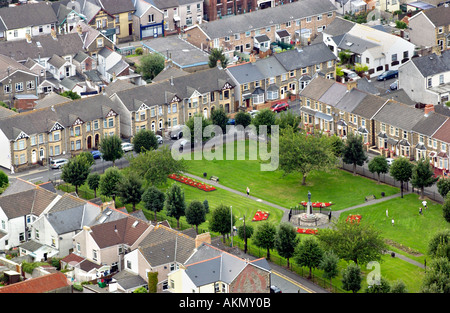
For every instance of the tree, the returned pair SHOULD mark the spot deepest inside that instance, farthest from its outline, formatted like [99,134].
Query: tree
[344,56]
[130,189]
[93,181]
[264,117]
[398,286]
[109,182]
[302,153]
[4,180]
[439,244]
[70,94]
[351,278]
[337,146]
[153,199]
[379,165]
[446,208]
[156,165]
[264,237]
[111,148]
[401,170]
[288,119]
[353,241]
[217,55]
[382,287]
[422,176]
[221,220]
[206,206]
[443,186]
[87,158]
[175,204]
[219,118]
[353,152]
[145,140]
[243,118]
[197,128]
[437,277]
[195,214]
[286,240]
[150,65]
[329,265]
[308,253]
[75,172]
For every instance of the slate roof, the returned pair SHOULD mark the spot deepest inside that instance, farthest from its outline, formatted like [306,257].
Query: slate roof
[433,64]
[353,43]
[117,6]
[338,26]
[41,284]
[128,280]
[18,185]
[438,16]
[263,18]
[428,125]
[245,73]
[317,87]
[49,100]
[443,133]
[351,100]
[32,14]
[304,57]
[5,112]
[400,115]
[369,106]
[6,63]
[332,95]
[33,201]
[89,8]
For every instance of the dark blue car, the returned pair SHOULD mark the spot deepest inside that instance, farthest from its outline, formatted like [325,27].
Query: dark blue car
[96,154]
[388,75]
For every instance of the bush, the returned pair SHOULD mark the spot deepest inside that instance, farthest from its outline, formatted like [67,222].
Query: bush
[139,51]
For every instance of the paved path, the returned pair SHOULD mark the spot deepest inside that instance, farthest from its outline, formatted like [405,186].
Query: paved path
[335,214]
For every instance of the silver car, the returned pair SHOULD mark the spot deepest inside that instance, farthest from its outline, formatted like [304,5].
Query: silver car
[58,163]
[126,147]
[160,139]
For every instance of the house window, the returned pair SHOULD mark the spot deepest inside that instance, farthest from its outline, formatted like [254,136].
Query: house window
[94,255]
[308,19]
[36,234]
[441,79]
[129,264]
[319,17]
[30,84]
[99,42]
[19,87]
[151,18]
[429,82]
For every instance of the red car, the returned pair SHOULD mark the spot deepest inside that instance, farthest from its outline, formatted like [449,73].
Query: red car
[278,107]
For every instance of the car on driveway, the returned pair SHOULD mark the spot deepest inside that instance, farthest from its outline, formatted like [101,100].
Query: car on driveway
[58,163]
[390,161]
[394,85]
[388,75]
[253,113]
[176,133]
[96,154]
[281,106]
[350,75]
[127,147]
[160,139]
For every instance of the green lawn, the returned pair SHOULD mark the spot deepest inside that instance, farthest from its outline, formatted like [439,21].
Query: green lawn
[340,187]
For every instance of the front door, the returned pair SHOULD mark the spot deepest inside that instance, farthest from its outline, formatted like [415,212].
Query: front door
[89,142]
[33,157]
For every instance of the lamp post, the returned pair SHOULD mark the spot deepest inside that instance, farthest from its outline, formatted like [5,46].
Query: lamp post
[231,224]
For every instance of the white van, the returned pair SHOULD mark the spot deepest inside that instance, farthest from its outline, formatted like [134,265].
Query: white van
[58,163]
[350,75]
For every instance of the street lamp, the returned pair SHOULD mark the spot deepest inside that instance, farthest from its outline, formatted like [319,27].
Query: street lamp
[231,224]
[245,236]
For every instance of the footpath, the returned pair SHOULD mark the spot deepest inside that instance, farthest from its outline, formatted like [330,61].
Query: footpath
[335,215]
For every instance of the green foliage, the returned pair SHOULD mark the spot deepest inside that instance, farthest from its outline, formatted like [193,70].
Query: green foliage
[400,24]
[378,165]
[130,189]
[351,278]
[264,117]
[140,290]
[139,51]
[337,145]
[308,253]
[195,213]
[249,230]
[361,68]
[344,56]
[145,140]
[286,240]
[243,118]
[152,282]
[111,148]
[398,286]
[156,165]
[217,54]
[87,158]
[153,199]
[264,236]
[339,71]
[288,119]
[439,244]
[93,181]
[70,94]
[329,265]
[206,206]
[76,171]
[422,175]
[199,128]
[219,118]
[446,209]
[221,220]
[401,170]
[150,65]
[353,152]
[4,180]
[437,277]
[109,182]
[382,287]
[175,204]
[443,186]
[29,267]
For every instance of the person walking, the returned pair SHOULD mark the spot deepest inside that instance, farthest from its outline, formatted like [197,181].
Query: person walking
[420,211]
[387,213]
[424,203]
[248,191]
[392,221]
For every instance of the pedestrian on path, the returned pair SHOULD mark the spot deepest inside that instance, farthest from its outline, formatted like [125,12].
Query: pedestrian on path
[392,221]
[248,191]
[387,213]
[424,203]
[420,211]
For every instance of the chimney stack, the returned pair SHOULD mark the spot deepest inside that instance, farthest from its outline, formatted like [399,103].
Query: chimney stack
[202,238]
[28,37]
[429,108]
[53,33]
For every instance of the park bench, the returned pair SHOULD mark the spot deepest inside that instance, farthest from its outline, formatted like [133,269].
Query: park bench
[371,197]
[214,178]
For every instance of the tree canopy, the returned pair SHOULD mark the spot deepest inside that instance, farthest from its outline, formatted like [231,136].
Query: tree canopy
[378,165]
[217,55]
[150,65]
[76,171]
[401,170]
[422,175]
[221,220]
[111,148]
[353,152]
[175,203]
[264,236]
[145,140]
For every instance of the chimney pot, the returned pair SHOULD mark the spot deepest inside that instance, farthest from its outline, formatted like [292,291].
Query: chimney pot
[429,108]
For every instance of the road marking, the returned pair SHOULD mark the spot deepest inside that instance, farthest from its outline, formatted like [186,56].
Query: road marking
[36,178]
[293,282]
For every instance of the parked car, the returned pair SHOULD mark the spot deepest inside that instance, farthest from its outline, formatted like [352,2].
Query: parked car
[394,85]
[58,163]
[231,121]
[275,289]
[350,75]
[253,113]
[282,106]
[184,143]
[388,75]
[96,154]
[390,161]
[176,133]
[127,147]
[160,139]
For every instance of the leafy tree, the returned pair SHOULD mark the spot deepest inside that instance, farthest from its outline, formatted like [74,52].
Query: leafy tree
[422,175]
[243,118]
[130,189]
[286,240]
[195,128]
[150,65]
[302,153]
[175,204]
[264,236]
[437,277]
[439,244]
[140,290]
[264,117]
[153,199]
[337,146]
[219,118]
[156,165]
[288,119]
[383,287]
[93,181]
[398,286]
[353,152]
[352,241]
[145,140]
[75,172]
[4,180]
[401,170]
[308,253]
[111,148]
[152,278]
[217,55]
[109,182]
[195,214]
[351,278]
[245,233]
[443,186]
[446,208]
[70,94]
[379,165]
[221,220]
[344,56]
[329,265]
[206,206]
[361,68]
[87,157]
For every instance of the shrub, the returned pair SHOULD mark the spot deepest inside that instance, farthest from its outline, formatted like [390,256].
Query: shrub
[139,51]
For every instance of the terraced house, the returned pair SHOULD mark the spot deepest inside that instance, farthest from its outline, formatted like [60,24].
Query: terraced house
[169,103]
[62,130]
